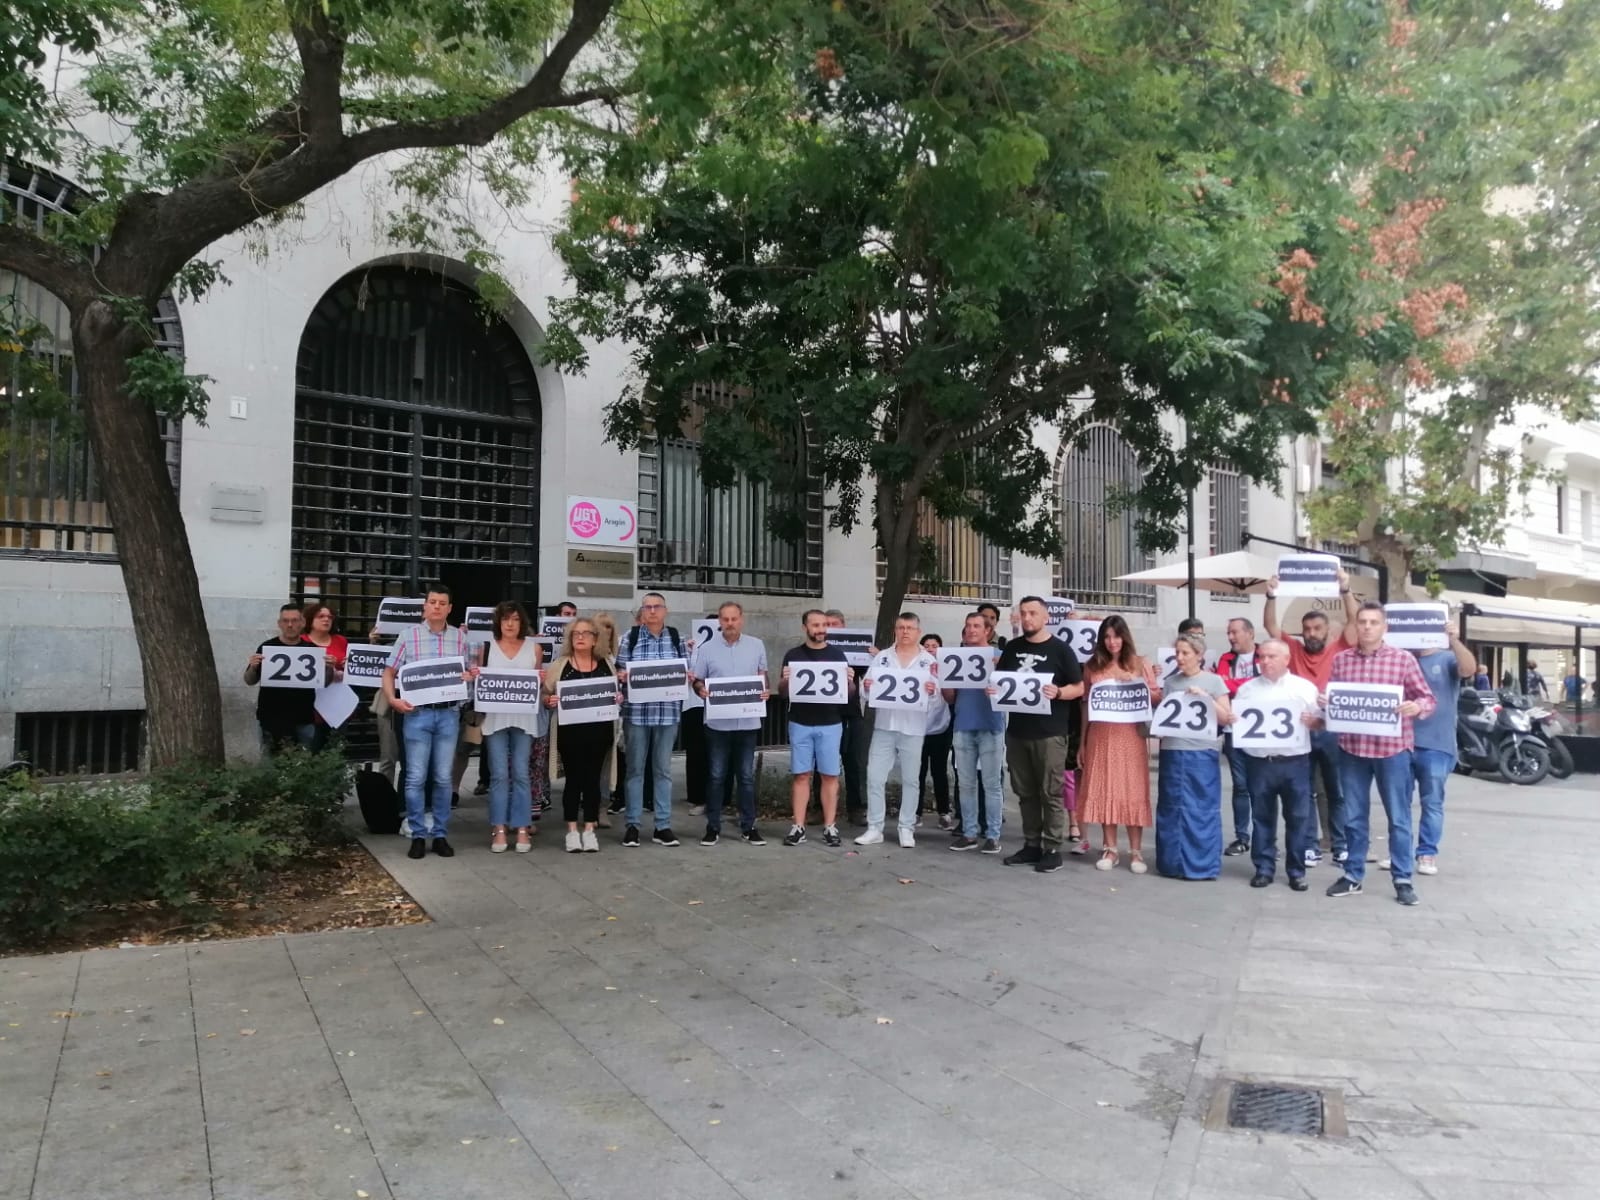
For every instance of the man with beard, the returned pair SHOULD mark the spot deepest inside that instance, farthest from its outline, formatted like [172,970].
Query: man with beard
[1311,658]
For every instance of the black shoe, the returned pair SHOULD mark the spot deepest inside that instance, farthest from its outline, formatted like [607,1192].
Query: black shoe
[1343,886]
[711,838]
[419,847]
[443,848]
[1026,857]
[481,790]
[1405,894]
[752,836]
[1260,880]
[990,846]
[1048,863]
[830,836]
[649,806]
[614,807]
[858,818]
[455,799]
[631,836]
[664,837]
[963,842]
[795,836]
[1298,883]
[1236,847]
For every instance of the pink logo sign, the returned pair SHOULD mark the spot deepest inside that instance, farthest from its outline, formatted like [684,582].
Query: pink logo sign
[584,519]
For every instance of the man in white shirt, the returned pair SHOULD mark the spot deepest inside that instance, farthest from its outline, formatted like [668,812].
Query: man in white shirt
[897,732]
[1273,717]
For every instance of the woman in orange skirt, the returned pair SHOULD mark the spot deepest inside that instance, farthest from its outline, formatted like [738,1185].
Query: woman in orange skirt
[1114,764]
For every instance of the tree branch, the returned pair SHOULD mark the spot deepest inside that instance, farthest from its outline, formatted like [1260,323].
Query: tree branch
[70,279]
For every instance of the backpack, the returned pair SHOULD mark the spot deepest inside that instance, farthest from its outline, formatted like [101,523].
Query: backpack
[380,803]
[633,640]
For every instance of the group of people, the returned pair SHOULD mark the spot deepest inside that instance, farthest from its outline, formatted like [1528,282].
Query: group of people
[1068,771]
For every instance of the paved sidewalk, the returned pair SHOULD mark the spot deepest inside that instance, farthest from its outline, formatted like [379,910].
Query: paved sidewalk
[770,1022]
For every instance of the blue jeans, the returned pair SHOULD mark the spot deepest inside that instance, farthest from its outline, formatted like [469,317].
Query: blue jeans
[1242,813]
[1285,782]
[431,735]
[1431,768]
[979,752]
[649,748]
[735,748]
[1325,756]
[886,750]
[1393,777]
[510,751]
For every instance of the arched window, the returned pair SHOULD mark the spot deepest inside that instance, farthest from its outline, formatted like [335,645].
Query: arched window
[954,562]
[1100,478]
[51,501]
[693,537]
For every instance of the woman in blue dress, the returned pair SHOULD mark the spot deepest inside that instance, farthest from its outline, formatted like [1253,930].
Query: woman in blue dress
[1189,790]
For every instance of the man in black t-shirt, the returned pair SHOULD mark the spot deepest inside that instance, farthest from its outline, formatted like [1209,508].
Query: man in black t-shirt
[1037,744]
[287,715]
[816,731]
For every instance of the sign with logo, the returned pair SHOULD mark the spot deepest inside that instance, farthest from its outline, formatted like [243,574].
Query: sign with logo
[292,666]
[658,680]
[1314,575]
[819,683]
[1020,692]
[1181,715]
[432,681]
[735,698]
[1081,636]
[965,666]
[506,690]
[1372,708]
[1119,701]
[396,614]
[586,701]
[856,644]
[363,665]
[897,689]
[1417,626]
[600,564]
[592,521]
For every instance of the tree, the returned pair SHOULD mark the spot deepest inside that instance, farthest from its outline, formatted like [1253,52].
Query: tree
[1462,276]
[929,229]
[227,116]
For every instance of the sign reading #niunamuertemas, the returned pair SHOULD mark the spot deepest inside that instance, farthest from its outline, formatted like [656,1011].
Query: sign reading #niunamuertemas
[1420,626]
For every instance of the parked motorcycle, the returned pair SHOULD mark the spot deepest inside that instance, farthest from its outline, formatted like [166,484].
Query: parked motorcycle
[1548,725]
[1494,733]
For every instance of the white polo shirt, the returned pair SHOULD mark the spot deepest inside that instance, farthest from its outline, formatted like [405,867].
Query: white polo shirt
[1273,710]
[902,720]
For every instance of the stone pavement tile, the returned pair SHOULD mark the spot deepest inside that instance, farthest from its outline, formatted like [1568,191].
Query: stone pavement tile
[1326,1181]
[32,990]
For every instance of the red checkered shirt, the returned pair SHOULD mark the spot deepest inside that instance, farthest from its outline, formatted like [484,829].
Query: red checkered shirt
[1383,665]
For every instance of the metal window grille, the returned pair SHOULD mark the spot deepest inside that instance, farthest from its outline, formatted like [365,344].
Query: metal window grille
[1230,515]
[699,538]
[51,499]
[956,563]
[1099,523]
[81,743]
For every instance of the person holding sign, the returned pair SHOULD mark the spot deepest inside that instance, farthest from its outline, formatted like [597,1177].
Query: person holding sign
[936,747]
[1383,759]
[508,737]
[1114,784]
[1274,714]
[730,741]
[320,622]
[1434,757]
[904,676]
[286,715]
[818,697]
[430,730]
[852,746]
[650,729]
[1039,745]
[1194,702]
[978,732]
[583,748]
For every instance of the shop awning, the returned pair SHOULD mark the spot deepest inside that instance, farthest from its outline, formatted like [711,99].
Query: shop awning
[1530,620]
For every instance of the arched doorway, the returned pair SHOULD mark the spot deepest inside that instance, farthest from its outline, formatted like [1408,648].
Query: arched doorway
[416,449]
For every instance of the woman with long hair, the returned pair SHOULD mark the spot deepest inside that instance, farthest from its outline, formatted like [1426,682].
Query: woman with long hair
[1114,780]
[1188,819]
[508,737]
[321,630]
[584,749]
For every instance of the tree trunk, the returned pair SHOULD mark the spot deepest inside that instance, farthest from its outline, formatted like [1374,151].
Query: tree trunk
[182,699]
[897,533]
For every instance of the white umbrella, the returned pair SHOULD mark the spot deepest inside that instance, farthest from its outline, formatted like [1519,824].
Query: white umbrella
[1237,574]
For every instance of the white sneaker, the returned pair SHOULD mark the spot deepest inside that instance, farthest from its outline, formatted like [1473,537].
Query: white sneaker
[1313,858]
[1427,866]
[1384,864]
[907,838]
[574,842]
[872,837]
[591,842]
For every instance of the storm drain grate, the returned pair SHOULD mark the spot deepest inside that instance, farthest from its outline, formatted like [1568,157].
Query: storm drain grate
[1275,1108]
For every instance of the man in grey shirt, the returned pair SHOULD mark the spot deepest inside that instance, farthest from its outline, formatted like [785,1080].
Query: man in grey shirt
[730,740]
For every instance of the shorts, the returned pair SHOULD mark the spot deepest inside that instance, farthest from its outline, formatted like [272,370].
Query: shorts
[815,747]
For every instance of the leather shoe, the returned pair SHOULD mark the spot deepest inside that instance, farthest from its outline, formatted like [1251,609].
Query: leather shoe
[1298,883]
[418,848]
[443,848]
[1261,881]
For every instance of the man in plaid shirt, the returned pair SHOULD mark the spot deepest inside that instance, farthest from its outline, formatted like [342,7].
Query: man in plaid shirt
[649,730]
[1370,758]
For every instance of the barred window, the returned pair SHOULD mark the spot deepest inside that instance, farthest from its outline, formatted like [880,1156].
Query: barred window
[51,499]
[1230,509]
[1099,480]
[698,538]
[954,561]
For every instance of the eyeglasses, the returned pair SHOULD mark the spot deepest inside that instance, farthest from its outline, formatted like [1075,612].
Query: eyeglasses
[648,607]
[578,633]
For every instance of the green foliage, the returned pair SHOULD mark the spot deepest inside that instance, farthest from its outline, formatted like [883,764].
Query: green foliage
[158,379]
[184,839]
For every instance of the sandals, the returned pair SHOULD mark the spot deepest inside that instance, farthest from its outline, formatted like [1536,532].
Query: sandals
[524,840]
[1108,858]
[497,840]
[1136,863]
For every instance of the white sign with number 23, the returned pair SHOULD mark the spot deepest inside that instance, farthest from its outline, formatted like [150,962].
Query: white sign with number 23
[1184,715]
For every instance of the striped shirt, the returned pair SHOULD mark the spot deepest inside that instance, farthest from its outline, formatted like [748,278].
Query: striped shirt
[1389,665]
[649,646]
[419,642]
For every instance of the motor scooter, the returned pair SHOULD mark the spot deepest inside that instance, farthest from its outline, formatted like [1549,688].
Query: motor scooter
[1494,733]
